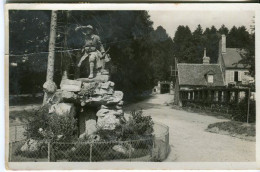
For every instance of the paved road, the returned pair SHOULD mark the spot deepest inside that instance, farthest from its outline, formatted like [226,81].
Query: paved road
[188,139]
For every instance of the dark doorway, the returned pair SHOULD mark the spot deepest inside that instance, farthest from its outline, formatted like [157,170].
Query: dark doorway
[165,88]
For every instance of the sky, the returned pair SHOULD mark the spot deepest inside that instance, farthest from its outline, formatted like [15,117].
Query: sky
[170,20]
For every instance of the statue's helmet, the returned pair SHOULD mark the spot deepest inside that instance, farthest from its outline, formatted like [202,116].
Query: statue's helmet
[89,27]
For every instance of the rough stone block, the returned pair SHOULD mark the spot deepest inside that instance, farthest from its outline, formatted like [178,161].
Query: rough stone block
[99,78]
[56,98]
[70,85]
[107,119]
[108,122]
[86,113]
[103,112]
[90,126]
[115,98]
[63,109]
[49,87]
[68,96]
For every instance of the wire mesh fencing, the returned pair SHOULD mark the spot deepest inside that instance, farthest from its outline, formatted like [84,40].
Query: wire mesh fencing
[153,148]
[28,151]
[16,132]
[136,150]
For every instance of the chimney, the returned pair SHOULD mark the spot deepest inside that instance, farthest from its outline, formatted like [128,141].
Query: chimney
[205,58]
[223,44]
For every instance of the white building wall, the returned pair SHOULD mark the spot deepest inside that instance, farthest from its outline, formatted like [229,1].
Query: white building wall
[242,76]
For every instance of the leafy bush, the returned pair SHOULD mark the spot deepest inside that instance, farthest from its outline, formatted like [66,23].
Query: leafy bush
[51,126]
[138,127]
[240,113]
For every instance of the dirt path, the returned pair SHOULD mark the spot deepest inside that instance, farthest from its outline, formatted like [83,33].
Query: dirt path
[188,139]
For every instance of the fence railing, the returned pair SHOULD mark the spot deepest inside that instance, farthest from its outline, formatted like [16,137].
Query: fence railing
[153,148]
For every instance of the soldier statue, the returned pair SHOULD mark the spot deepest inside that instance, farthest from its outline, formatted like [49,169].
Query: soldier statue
[94,50]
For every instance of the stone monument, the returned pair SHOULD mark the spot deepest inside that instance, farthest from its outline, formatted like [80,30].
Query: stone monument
[93,100]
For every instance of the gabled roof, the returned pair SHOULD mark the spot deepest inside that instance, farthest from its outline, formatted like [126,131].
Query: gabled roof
[195,74]
[232,57]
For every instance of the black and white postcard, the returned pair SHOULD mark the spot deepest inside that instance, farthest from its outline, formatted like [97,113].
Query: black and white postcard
[131,86]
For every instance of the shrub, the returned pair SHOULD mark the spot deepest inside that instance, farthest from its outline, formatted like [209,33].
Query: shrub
[138,127]
[240,113]
[51,126]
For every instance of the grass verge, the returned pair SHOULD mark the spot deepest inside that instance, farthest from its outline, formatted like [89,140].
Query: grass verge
[234,128]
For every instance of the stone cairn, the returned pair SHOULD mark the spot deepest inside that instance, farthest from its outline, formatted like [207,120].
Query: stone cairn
[92,101]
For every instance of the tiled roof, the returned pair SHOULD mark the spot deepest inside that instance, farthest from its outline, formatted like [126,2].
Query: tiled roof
[232,57]
[195,74]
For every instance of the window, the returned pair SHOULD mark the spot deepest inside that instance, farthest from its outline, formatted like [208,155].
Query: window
[236,76]
[210,78]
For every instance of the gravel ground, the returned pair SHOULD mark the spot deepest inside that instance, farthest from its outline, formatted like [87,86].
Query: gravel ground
[188,139]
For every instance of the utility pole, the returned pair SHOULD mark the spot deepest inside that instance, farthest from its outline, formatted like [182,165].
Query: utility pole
[51,55]
[248,106]
[174,70]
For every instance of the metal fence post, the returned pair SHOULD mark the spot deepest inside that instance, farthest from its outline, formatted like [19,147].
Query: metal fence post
[49,152]
[15,133]
[10,151]
[90,153]
[130,152]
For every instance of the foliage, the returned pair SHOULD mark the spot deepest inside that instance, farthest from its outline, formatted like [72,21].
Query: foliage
[248,56]
[240,114]
[237,112]
[138,127]
[141,56]
[29,33]
[129,35]
[143,125]
[162,55]
[188,46]
[51,126]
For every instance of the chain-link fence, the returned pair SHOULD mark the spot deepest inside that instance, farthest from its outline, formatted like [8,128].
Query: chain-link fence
[16,132]
[153,148]
[28,151]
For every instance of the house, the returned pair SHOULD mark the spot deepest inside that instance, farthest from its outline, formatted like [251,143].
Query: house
[196,76]
[234,72]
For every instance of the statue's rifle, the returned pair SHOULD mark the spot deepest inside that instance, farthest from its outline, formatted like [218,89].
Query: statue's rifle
[104,54]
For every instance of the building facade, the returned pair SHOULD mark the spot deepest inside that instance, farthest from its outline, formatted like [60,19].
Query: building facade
[197,76]
[229,59]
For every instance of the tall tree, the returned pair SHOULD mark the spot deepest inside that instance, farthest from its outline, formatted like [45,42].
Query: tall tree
[238,37]
[29,36]
[162,54]
[183,46]
[198,43]
[223,30]
[211,42]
